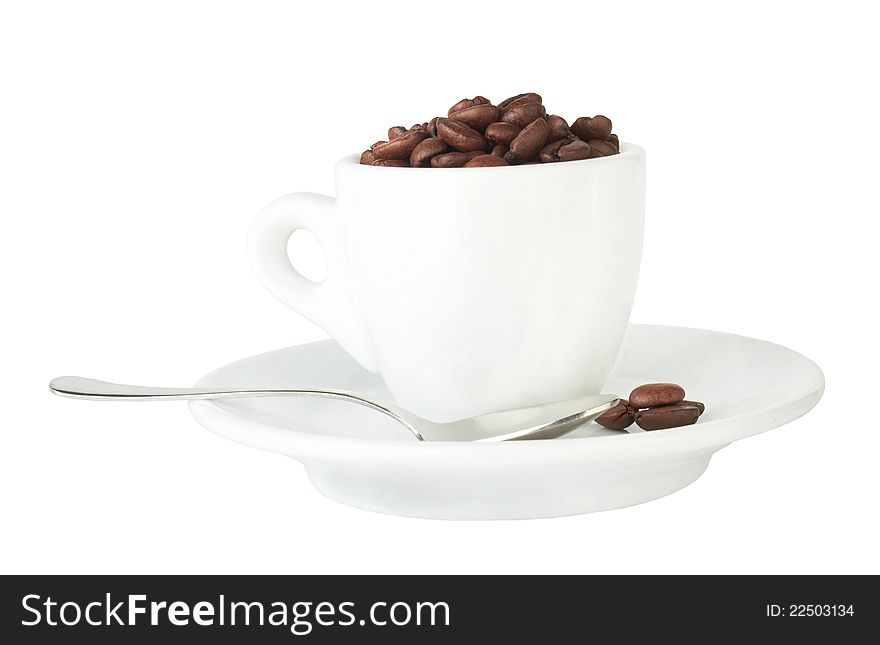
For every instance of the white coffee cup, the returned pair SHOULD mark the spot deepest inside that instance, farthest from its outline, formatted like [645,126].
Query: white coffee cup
[470,290]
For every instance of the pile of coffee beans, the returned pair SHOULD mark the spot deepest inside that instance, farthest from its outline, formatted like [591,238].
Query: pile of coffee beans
[653,406]
[476,134]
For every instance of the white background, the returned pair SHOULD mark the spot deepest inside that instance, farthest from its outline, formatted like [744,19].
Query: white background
[139,139]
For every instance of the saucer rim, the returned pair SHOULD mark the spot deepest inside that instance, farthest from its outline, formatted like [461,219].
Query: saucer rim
[712,434]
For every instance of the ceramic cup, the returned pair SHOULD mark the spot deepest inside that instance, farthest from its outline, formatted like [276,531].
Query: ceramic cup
[469,290]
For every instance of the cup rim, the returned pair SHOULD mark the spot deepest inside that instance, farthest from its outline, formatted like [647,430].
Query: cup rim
[626,150]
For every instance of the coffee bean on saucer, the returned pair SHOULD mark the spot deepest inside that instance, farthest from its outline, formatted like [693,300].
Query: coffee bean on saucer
[654,394]
[700,406]
[620,417]
[460,136]
[667,416]
[499,150]
[367,157]
[428,149]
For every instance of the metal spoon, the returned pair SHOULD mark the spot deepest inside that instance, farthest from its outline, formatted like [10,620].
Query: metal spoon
[547,421]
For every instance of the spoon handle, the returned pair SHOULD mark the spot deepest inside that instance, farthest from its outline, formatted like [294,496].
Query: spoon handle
[78,387]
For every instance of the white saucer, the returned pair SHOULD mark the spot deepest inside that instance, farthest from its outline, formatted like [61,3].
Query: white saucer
[361,458]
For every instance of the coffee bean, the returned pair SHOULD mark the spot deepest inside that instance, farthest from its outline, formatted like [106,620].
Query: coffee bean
[565,150]
[484,161]
[454,159]
[601,148]
[466,103]
[395,131]
[700,406]
[620,417]
[528,142]
[574,150]
[579,128]
[401,147]
[395,163]
[597,127]
[550,152]
[422,153]
[522,115]
[612,139]
[460,136]
[476,116]
[531,97]
[501,132]
[519,99]
[654,394]
[667,416]
[558,128]
[517,130]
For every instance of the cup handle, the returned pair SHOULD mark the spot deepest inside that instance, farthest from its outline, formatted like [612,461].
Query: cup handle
[329,303]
